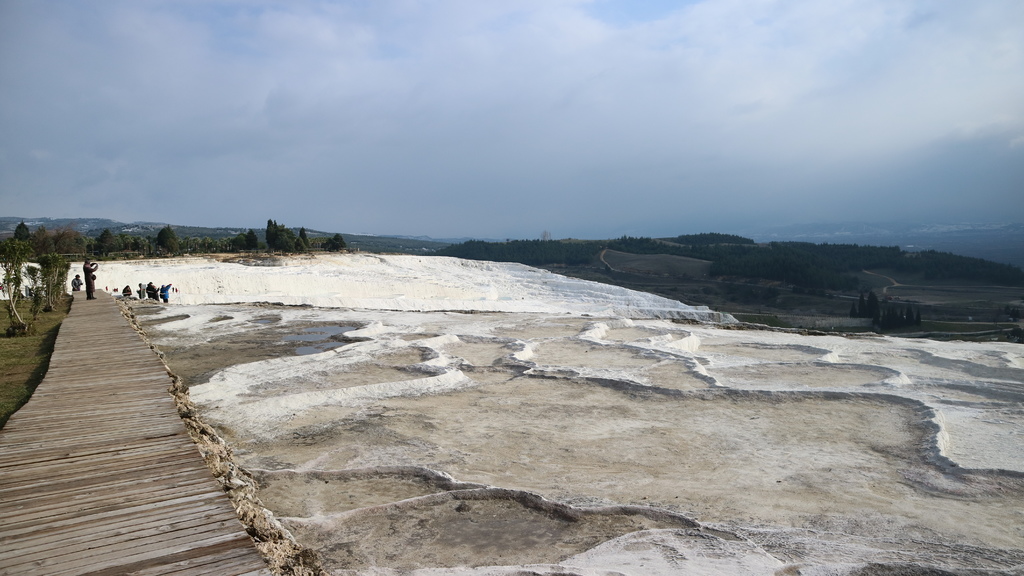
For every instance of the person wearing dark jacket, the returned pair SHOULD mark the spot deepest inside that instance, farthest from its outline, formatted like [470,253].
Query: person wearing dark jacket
[151,292]
[89,269]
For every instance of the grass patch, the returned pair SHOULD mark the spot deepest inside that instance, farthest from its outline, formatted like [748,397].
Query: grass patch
[933,326]
[660,264]
[24,360]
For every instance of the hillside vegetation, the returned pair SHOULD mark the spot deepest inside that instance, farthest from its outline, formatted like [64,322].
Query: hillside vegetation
[807,265]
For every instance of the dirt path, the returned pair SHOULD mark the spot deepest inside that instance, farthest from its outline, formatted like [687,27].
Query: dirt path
[893,282]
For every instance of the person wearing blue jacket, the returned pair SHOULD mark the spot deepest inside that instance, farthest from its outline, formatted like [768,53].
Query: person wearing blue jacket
[165,292]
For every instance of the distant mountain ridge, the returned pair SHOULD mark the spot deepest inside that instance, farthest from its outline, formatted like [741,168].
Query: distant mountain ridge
[93,227]
[875,229]
[82,225]
[1003,243]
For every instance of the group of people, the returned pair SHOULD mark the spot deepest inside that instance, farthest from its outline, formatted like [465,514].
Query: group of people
[150,291]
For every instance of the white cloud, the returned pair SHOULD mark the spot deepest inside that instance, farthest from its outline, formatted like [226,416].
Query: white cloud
[471,103]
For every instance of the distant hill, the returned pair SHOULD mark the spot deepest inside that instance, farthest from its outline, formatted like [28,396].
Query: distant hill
[393,244]
[92,227]
[85,226]
[1002,243]
[804,264]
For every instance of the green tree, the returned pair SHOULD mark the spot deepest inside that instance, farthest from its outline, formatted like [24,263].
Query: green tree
[167,239]
[272,229]
[21,231]
[286,240]
[42,242]
[252,241]
[38,294]
[106,242]
[280,237]
[126,241]
[67,240]
[335,243]
[238,243]
[14,255]
[53,274]
[303,240]
[873,309]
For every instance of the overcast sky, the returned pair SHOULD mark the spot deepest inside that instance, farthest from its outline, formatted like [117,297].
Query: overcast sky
[505,119]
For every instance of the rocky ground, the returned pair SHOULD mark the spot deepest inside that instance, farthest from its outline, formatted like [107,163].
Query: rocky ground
[490,443]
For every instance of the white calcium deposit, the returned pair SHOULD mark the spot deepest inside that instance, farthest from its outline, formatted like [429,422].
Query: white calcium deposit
[800,454]
[389,282]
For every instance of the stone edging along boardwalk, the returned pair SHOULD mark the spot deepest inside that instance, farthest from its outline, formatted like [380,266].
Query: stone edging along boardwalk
[98,473]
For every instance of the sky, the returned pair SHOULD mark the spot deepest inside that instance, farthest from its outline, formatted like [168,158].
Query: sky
[512,119]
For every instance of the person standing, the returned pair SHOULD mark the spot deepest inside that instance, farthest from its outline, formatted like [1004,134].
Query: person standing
[89,269]
[165,292]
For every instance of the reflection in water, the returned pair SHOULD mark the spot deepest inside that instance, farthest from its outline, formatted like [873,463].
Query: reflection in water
[318,334]
[305,350]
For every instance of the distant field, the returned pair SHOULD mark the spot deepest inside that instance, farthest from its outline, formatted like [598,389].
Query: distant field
[659,264]
[877,278]
[972,299]
[687,280]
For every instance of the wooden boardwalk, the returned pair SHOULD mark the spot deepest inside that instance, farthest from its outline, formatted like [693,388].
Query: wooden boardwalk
[98,475]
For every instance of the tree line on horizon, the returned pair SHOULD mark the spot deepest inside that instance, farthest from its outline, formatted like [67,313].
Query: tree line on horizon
[35,265]
[276,238]
[801,264]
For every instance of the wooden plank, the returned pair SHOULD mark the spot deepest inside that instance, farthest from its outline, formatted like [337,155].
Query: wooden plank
[98,474]
[158,504]
[152,449]
[116,563]
[82,528]
[115,543]
[105,442]
[86,501]
[105,481]
[194,555]
[72,543]
[210,563]
[88,450]
[143,444]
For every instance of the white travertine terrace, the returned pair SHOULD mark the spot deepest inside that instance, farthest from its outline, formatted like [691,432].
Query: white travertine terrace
[391,282]
[826,453]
